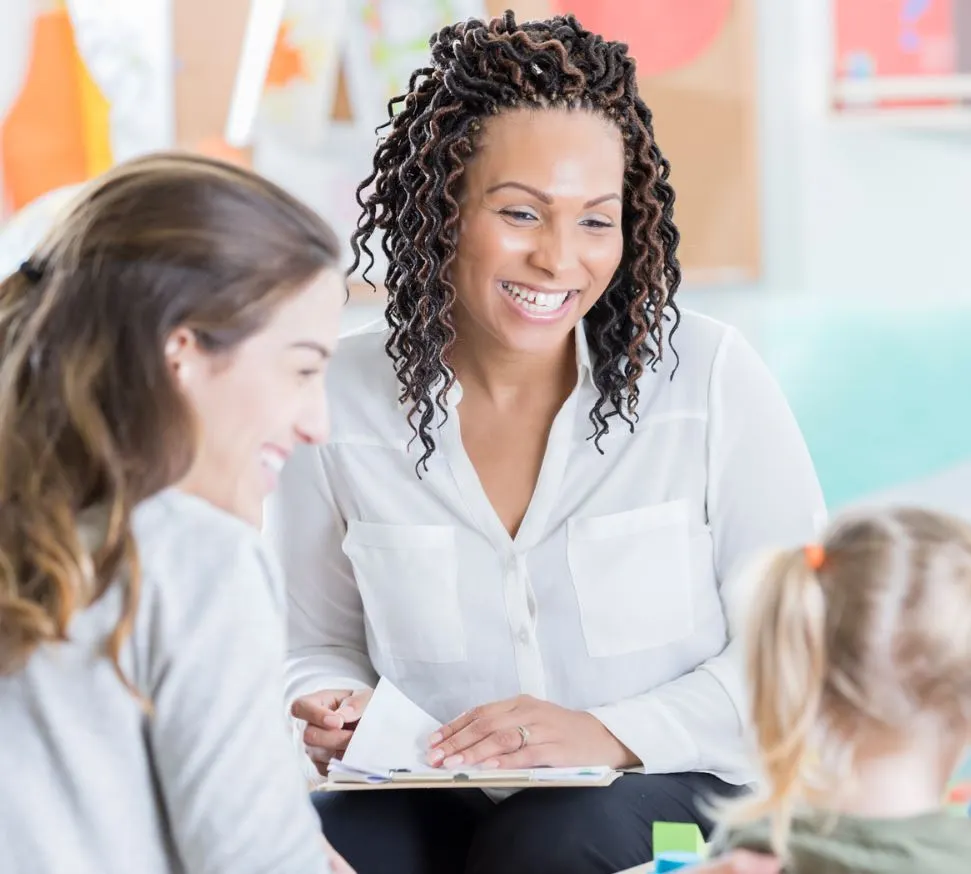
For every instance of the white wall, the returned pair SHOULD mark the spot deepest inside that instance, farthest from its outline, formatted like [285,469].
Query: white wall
[850,209]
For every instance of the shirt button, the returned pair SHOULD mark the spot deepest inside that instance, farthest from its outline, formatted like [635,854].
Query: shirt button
[524,636]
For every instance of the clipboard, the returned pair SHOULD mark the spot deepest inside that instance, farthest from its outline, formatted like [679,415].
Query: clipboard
[389,747]
[535,778]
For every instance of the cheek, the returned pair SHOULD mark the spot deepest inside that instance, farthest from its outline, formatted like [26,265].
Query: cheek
[487,243]
[604,255]
[233,411]
[488,250]
[223,420]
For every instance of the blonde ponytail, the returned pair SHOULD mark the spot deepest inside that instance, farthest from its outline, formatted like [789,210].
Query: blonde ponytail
[786,668]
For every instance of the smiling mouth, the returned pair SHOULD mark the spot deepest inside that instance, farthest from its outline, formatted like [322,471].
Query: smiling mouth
[273,460]
[537,302]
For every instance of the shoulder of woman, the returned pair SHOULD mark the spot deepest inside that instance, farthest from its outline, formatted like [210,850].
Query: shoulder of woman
[700,336]
[718,355]
[692,349]
[363,393]
[187,545]
[362,361]
[362,346]
[206,577]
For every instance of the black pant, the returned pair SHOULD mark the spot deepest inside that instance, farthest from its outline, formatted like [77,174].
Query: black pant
[536,831]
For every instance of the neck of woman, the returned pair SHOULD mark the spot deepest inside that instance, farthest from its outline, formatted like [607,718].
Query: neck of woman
[505,377]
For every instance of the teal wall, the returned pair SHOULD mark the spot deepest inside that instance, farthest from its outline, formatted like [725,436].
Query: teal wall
[883,395]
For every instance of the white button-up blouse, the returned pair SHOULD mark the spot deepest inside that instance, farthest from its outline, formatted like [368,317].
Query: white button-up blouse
[613,595]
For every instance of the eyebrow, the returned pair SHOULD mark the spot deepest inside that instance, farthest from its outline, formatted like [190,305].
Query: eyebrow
[323,351]
[546,198]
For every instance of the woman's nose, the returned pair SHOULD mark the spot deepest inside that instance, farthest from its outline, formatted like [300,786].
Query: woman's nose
[313,425]
[556,250]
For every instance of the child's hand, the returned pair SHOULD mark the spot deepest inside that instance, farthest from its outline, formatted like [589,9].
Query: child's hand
[740,862]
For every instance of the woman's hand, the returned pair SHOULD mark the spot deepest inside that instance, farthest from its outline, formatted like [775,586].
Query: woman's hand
[490,736]
[331,717]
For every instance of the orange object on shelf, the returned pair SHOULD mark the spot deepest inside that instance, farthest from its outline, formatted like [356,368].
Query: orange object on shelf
[56,132]
[286,63]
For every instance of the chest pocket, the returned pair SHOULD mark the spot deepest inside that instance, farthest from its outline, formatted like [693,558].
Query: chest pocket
[408,579]
[632,575]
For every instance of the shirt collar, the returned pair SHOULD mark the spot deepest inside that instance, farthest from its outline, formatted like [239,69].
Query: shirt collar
[584,364]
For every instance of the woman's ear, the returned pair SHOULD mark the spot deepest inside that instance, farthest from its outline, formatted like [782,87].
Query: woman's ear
[181,351]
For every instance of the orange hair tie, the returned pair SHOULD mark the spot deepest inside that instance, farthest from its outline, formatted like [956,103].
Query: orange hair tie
[815,556]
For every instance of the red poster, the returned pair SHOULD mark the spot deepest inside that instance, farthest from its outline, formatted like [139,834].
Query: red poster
[882,38]
[662,35]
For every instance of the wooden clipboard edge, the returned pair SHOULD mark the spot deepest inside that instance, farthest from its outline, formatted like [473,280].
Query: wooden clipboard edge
[354,786]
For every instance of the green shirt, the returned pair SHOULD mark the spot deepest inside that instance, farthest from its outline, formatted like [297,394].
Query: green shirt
[934,843]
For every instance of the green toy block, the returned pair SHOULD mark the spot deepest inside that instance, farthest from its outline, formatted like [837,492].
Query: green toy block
[678,837]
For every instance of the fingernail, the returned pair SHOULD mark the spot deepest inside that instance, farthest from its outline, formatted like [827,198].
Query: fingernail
[491,764]
[435,739]
[452,762]
[435,756]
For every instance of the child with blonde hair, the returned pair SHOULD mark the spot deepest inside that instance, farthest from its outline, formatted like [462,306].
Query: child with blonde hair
[859,663]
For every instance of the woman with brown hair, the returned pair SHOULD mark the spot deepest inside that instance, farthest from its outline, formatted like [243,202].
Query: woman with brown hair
[541,476]
[163,352]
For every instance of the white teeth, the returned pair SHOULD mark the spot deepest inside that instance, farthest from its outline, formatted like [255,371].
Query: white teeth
[273,460]
[535,301]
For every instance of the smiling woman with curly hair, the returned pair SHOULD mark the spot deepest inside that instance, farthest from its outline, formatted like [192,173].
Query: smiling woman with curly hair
[418,174]
[541,473]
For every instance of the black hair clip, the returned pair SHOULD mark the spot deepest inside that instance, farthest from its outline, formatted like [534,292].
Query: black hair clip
[32,271]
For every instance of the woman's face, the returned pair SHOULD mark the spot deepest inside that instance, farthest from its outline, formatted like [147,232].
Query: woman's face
[256,403]
[541,233]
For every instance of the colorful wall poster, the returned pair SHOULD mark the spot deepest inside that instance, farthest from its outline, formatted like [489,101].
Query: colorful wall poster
[892,41]
[301,83]
[387,40]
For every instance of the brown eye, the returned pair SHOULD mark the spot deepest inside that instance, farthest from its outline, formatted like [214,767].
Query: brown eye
[517,215]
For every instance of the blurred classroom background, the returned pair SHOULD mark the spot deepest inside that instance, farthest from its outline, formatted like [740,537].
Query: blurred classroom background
[821,152]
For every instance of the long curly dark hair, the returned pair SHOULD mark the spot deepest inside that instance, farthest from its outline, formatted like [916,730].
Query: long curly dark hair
[410,200]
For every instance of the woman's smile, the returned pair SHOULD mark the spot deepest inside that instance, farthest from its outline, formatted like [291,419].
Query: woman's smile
[536,304]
